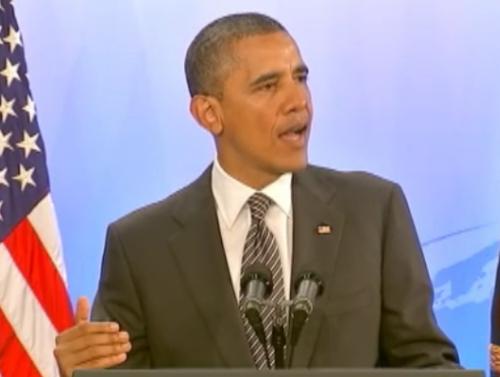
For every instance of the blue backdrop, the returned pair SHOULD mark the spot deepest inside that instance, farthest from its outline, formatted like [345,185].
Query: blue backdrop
[407,89]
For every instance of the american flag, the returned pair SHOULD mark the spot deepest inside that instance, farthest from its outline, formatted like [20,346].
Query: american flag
[34,303]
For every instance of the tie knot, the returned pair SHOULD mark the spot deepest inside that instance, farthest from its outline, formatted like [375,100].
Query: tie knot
[259,204]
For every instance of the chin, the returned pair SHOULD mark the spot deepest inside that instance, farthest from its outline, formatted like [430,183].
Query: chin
[292,166]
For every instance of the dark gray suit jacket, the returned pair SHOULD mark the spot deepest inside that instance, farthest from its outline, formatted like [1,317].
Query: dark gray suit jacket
[165,279]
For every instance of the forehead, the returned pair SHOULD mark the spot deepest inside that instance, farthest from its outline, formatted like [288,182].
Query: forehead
[274,51]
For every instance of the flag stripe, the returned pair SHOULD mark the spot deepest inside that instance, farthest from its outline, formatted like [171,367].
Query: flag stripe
[14,360]
[33,291]
[43,220]
[38,269]
[22,310]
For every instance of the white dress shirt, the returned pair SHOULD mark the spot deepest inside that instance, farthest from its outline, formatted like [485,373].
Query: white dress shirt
[234,218]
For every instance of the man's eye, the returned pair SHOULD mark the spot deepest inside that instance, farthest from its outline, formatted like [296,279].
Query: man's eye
[302,78]
[268,86]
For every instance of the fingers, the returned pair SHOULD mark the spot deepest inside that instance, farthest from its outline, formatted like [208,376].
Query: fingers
[82,337]
[84,330]
[82,310]
[84,346]
[104,362]
[95,353]
[90,344]
[100,362]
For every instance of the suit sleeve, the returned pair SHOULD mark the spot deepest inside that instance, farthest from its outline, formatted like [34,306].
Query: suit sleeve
[410,336]
[117,300]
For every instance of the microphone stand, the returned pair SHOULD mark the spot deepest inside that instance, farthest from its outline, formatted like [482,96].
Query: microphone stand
[284,338]
[278,337]
[308,287]
[297,311]
[255,320]
[292,337]
[256,283]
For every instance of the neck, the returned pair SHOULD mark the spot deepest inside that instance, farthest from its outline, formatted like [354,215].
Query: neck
[249,177]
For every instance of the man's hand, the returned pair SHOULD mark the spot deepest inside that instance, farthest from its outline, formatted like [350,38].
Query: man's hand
[90,344]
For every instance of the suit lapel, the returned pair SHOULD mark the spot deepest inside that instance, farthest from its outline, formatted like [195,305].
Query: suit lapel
[317,228]
[199,251]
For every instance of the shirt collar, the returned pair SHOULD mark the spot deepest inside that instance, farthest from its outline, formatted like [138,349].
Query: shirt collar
[231,195]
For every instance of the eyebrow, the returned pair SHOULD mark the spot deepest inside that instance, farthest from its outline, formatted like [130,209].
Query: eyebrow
[274,75]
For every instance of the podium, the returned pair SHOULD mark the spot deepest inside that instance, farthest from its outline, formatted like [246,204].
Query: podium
[375,372]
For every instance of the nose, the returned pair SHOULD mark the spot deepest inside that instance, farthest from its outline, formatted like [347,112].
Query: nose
[297,98]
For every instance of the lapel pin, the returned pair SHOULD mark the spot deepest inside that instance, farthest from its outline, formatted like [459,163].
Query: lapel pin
[322,229]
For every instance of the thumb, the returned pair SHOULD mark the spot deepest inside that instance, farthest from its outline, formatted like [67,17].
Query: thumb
[82,310]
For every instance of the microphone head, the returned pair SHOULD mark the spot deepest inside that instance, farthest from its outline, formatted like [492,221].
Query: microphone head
[260,272]
[307,286]
[311,276]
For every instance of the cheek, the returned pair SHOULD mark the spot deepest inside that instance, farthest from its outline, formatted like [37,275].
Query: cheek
[252,124]
[257,124]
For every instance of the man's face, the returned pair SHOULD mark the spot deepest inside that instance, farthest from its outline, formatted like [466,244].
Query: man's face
[265,109]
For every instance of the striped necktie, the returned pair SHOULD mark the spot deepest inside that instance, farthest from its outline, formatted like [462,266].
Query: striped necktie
[261,247]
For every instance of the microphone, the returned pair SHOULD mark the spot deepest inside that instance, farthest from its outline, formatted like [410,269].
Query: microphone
[256,285]
[308,286]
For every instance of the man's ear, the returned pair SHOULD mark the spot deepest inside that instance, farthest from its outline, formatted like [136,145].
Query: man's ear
[207,112]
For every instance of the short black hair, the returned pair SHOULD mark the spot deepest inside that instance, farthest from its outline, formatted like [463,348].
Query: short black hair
[209,52]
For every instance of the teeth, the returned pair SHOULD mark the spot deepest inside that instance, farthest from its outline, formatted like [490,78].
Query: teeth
[297,130]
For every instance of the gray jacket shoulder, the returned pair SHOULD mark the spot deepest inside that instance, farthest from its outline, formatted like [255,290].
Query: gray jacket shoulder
[350,187]
[166,213]
[353,185]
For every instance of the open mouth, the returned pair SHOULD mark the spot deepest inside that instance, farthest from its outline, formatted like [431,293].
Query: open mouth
[295,135]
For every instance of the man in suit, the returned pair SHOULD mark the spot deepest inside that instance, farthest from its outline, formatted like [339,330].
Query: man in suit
[171,271]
